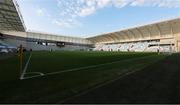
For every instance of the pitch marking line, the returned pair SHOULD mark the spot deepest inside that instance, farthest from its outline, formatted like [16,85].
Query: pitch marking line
[81,68]
[25,69]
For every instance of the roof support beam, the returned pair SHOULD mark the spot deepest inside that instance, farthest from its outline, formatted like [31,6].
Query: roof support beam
[116,37]
[111,37]
[9,17]
[14,23]
[104,39]
[120,36]
[96,39]
[159,30]
[7,21]
[172,30]
[150,34]
[126,34]
[93,40]
[107,38]
[5,10]
[134,36]
[6,4]
[140,32]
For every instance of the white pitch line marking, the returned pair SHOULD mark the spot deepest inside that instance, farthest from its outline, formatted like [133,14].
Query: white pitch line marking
[25,69]
[81,68]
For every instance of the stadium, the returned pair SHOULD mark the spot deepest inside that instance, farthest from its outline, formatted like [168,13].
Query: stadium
[139,64]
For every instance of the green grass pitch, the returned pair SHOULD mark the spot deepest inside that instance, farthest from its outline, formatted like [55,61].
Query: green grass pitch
[61,85]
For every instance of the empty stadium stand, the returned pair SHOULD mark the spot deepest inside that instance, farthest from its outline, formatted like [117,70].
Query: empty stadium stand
[162,35]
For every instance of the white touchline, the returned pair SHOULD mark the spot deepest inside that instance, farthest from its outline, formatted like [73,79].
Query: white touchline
[25,68]
[78,69]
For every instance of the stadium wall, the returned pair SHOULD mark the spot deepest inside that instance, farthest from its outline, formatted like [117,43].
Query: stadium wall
[167,32]
[177,43]
[36,44]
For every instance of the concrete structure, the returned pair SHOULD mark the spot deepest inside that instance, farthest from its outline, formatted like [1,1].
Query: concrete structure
[13,32]
[164,32]
[10,16]
[43,41]
[39,36]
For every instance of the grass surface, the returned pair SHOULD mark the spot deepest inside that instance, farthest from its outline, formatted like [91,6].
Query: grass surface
[47,62]
[55,88]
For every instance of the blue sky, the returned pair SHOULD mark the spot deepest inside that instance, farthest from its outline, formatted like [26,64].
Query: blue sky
[84,18]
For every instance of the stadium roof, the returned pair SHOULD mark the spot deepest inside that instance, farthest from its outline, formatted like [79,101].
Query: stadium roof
[10,17]
[155,30]
[11,20]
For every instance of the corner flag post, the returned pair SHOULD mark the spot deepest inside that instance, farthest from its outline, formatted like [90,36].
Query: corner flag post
[20,58]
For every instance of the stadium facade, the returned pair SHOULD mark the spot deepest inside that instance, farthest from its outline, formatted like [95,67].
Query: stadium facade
[163,35]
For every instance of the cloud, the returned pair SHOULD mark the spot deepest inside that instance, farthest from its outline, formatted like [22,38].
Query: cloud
[103,3]
[84,8]
[121,3]
[80,8]
[63,21]
[170,3]
[147,3]
[66,23]
[73,9]
[42,12]
[87,11]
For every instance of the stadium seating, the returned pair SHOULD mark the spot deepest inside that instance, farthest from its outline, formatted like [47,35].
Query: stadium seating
[39,47]
[133,47]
